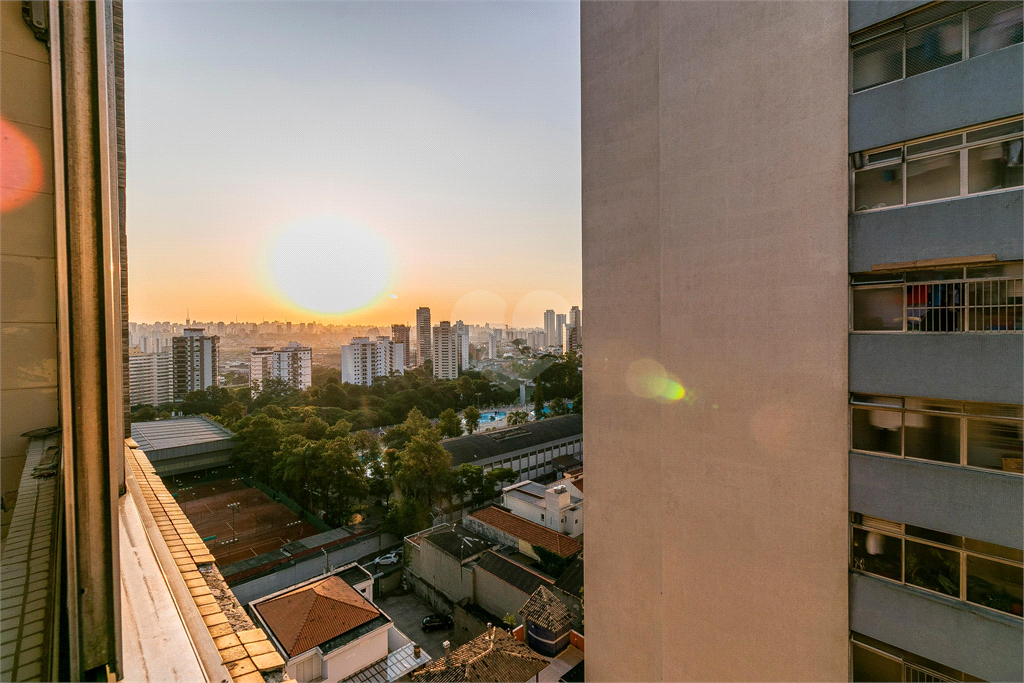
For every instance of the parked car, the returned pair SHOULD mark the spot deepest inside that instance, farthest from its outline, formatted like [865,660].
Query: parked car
[436,622]
[390,558]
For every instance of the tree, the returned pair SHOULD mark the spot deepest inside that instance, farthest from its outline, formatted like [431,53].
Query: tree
[538,402]
[415,422]
[499,476]
[551,563]
[425,466]
[559,406]
[144,413]
[449,424]
[577,404]
[407,516]
[232,412]
[344,478]
[395,438]
[257,439]
[517,417]
[297,461]
[472,416]
[509,620]
[468,482]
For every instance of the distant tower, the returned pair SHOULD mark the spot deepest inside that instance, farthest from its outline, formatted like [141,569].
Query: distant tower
[549,326]
[463,344]
[559,330]
[445,351]
[423,333]
[575,316]
[400,335]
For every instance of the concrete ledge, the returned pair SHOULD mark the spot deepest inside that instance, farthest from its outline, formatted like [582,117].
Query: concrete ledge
[977,641]
[987,506]
[865,13]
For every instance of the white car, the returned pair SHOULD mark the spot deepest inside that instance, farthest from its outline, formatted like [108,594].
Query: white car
[390,558]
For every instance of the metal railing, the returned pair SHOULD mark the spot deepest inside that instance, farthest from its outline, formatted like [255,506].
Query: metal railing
[985,305]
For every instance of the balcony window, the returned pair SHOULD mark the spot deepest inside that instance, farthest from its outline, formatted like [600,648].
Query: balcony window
[874,660]
[966,434]
[927,40]
[933,168]
[938,562]
[980,299]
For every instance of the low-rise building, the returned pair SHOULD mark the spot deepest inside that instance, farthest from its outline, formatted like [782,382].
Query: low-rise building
[529,449]
[547,622]
[512,530]
[440,563]
[184,444]
[493,656]
[503,585]
[558,506]
[327,630]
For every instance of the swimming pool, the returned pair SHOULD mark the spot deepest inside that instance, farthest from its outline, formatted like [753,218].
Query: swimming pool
[491,416]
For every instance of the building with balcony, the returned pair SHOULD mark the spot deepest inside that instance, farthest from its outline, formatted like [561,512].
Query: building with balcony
[423,335]
[196,357]
[151,378]
[445,348]
[362,360]
[831,193]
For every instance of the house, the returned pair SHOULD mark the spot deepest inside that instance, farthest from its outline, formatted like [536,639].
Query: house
[569,589]
[493,656]
[327,629]
[506,528]
[503,585]
[558,506]
[548,622]
[440,563]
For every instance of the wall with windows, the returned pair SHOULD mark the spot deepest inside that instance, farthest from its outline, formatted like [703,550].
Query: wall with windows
[969,226]
[977,641]
[971,366]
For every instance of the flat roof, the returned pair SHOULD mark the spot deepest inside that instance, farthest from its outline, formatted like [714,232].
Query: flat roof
[181,436]
[458,542]
[467,449]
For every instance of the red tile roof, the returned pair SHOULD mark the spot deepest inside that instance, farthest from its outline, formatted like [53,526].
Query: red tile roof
[310,616]
[531,532]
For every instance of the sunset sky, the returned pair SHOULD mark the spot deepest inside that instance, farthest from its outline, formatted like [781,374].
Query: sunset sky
[349,162]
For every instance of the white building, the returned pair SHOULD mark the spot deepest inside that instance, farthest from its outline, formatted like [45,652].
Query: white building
[558,506]
[261,366]
[151,378]
[362,360]
[492,344]
[328,629]
[462,333]
[294,364]
[445,346]
[549,326]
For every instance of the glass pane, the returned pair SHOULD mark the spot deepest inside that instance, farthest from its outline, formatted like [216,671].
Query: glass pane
[891,401]
[935,274]
[878,62]
[936,45]
[933,568]
[933,178]
[994,26]
[996,131]
[869,665]
[1010,269]
[931,145]
[878,309]
[996,585]
[995,445]
[932,437]
[935,405]
[895,154]
[994,167]
[876,553]
[877,188]
[994,409]
[937,536]
[878,431]
[994,549]
[935,308]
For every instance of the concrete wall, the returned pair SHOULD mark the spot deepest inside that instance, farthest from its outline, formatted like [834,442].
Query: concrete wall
[966,366]
[445,573]
[498,597]
[986,506]
[974,91]
[726,260]
[974,640]
[28,270]
[970,226]
[359,654]
[864,13]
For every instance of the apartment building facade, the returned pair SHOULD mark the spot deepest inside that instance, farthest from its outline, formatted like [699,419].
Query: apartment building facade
[362,359]
[445,347]
[261,366]
[827,401]
[196,361]
[400,335]
[294,364]
[422,335]
[151,378]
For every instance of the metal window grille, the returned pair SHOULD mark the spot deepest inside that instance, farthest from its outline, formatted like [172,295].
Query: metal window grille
[992,305]
[916,674]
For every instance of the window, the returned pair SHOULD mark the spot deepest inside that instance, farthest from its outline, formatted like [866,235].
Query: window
[983,435]
[927,40]
[964,299]
[978,160]
[873,660]
[974,571]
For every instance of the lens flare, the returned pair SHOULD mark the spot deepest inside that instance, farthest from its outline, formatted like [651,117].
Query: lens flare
[647,378]
[21,168]
[529,309]
[329,265]
[478,307]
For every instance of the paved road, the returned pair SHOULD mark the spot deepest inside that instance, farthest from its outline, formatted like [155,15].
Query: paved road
[406,611]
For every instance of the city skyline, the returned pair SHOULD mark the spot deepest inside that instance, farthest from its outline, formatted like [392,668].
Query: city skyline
[438,165]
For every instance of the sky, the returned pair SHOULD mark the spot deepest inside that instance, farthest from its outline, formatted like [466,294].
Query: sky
[349,162]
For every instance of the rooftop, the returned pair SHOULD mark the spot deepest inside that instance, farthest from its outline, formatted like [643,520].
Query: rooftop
[392,667]
[468,449]
[531,532]
[492,656]
[177,432]
[457,542]
[316,613]
[546,610]
[571,580]
[512,573]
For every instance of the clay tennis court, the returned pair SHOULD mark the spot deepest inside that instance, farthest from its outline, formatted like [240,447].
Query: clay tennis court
[261,525]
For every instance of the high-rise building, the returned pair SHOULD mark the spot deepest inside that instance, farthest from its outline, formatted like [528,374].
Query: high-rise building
[196,362]
[445,351]
[362,359]
[821,393]
[493,341]
[462,333]
[294,364]
[559,330]
[261,366]
[573,338]
[423,334]
[575,316]
[549,327]
[400,335]
[151,378]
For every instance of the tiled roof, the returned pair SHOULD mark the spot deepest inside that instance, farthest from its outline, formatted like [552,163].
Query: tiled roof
[493,656]
[531,532]
[467,449]
[510,572]
[571,580]
[314,614]
[546,610]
